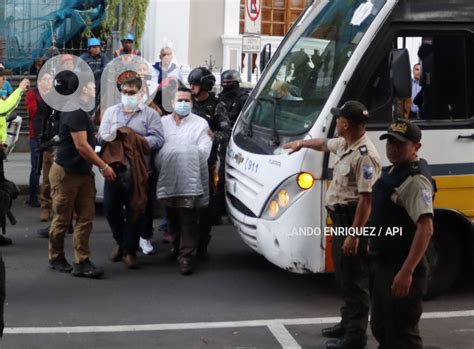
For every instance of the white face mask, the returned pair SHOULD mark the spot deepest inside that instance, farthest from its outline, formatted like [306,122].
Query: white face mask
[183,108]
[130,103]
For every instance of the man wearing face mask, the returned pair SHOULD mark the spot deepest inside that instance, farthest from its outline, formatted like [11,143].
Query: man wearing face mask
[183,178]
[134,130]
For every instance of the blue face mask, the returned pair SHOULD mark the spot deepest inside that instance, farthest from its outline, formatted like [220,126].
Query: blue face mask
[130,103]
[183,109]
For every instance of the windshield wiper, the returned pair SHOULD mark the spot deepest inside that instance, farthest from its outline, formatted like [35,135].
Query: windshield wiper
[250,121]
[275,138]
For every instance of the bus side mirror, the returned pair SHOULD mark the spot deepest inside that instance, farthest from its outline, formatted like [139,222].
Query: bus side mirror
[400,73]
[265,56]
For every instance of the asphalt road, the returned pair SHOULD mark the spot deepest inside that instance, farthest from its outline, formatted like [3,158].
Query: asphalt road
[235,300]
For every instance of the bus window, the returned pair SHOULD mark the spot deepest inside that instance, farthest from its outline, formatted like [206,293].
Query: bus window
[443,80]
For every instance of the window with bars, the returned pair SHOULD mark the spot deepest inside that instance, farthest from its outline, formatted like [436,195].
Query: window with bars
[278,15]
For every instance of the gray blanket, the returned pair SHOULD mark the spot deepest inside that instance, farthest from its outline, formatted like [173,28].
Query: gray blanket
[183,174]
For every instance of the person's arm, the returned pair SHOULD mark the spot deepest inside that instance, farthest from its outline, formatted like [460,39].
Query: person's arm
[105,61]
[424,231]
[415,195]
[351,243]
[180,75]
[367,171]
[155,134]
[10,104]
[108,126]
[319,144]
[85,150]
[205,142]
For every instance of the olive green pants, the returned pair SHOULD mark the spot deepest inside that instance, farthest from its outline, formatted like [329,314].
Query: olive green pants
[352,275]
[394,321]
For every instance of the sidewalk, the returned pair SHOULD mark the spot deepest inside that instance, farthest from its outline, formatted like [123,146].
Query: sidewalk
[17,170]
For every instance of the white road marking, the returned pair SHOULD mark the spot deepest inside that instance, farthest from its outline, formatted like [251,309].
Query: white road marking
[276,326]
[282,335]
[448,314]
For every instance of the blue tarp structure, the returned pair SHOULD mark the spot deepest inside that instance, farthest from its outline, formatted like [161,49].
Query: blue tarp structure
[28,26]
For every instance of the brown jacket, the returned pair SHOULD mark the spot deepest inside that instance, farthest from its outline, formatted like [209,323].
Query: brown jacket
[133,147]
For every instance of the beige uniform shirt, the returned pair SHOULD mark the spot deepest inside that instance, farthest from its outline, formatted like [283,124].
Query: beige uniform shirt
[355,171]
[415,194]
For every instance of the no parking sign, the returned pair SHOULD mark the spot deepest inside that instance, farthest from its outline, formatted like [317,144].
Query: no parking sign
[253,16]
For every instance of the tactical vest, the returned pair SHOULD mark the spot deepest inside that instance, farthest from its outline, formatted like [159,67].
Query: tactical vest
[385,215]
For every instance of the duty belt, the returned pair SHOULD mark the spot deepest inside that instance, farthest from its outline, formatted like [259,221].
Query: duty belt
[342,215]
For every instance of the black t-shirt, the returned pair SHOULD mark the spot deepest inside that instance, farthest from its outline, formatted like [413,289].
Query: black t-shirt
[67,156]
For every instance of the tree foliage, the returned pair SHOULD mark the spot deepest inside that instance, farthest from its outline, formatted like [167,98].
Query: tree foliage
[132,17]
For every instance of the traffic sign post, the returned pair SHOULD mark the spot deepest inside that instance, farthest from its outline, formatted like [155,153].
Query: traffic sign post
[253,27]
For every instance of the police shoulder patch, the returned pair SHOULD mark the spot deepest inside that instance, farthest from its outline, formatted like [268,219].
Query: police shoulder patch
[427,196]
[368,171]
[363,150]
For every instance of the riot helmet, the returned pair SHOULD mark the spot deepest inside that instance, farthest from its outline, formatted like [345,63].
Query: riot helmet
[203,77]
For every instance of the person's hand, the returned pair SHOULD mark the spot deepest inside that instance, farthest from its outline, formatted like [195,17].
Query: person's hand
[210,134]
[401,284]
[294,146]
[109,174]
[24,85]
[3,147]
[350,246]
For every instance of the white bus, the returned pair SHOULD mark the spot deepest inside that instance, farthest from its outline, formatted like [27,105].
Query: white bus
[340,50]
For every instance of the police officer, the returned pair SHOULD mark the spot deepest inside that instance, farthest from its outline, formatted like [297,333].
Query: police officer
[348,201]
[201,81]
[402,199]
[231,101]
[232,94]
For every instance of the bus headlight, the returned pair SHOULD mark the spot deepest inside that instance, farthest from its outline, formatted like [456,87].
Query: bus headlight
[286,194]
[273,209]
[283,198]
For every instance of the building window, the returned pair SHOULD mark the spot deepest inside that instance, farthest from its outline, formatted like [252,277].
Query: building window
[278,15]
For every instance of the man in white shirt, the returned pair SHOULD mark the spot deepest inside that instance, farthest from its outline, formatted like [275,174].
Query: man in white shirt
[185,128]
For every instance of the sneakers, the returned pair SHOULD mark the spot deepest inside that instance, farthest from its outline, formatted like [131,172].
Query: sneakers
[5,241]
[43,232]
[60,264]
[87,269]
[146,246]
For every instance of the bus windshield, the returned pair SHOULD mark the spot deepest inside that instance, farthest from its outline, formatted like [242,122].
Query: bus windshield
[293,97]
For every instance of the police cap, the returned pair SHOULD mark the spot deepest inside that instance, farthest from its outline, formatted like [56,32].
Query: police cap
[353,111]
[404,131]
